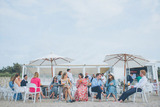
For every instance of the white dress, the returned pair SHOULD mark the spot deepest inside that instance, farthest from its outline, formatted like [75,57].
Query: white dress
[17,88]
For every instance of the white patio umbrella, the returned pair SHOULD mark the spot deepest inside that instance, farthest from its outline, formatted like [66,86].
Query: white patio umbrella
[126,60]
[51,60]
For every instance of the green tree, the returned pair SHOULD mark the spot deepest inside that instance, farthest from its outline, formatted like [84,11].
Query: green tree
[17,68]
[11,70]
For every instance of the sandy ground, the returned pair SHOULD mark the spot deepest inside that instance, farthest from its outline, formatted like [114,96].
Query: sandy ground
[154,101]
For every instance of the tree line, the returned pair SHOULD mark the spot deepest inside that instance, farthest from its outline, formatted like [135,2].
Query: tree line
[11,70]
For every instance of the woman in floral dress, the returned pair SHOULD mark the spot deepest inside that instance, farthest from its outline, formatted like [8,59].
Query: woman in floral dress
[81,92]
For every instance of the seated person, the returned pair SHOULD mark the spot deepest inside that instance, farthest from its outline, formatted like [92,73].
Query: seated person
[59,77]
[11,85]
[111,87]
[97,86]
[24,81]
[54,88]
[36,81]
[137,87]
[17,86]
[65,81]
[81,92]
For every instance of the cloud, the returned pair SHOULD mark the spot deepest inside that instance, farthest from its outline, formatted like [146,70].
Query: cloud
[83,30]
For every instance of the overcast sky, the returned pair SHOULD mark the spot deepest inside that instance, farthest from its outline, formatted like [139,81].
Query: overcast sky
[85,30]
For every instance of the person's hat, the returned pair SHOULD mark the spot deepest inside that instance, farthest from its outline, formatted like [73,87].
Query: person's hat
[111,74]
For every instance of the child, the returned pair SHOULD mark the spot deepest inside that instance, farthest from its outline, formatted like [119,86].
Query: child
[155,86]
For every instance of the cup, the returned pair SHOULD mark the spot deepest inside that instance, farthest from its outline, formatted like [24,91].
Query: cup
[80,81]
[128,83]
[101,88]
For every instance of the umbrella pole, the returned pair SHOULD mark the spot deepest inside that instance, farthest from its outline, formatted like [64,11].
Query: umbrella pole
[124,71]
[51,68]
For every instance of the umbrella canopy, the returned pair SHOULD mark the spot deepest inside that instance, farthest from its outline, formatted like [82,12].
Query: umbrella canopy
[126,60]
[50,60]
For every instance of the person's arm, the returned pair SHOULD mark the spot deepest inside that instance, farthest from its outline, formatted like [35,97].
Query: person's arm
[107,83]
[77,84]
[62,82]
[114,83]
[101,83]
[17,82]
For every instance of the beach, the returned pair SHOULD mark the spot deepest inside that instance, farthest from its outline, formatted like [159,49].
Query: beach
[153,101]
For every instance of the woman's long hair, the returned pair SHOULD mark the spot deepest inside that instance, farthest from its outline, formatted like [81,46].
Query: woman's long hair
[59,72]
[109,80]
[16,75]
[54,78]
[64,75]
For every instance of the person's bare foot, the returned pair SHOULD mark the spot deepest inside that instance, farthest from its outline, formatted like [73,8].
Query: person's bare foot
[99,100]
[120,101]
[44,96]
[114,100]
[104,95]
[94,97]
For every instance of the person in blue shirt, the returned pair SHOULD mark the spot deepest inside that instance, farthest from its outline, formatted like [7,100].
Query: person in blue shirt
[11,85]
[97,86]
[111,87]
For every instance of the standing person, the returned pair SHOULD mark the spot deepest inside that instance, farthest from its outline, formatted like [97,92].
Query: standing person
[36,80]
[97,86]
[129,78]
[59,77]
[155,86]
[103,78]
[93,76]
[89,80]
[137,87]
[54,88]
[86,74]
[65,81]
[11,85]
[81,92]
[70,75]
[138,78]
[24,81]
[111,87]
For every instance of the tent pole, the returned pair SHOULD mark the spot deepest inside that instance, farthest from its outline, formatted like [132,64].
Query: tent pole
[124,71]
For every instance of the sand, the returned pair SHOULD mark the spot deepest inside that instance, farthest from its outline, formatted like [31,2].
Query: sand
[154,101]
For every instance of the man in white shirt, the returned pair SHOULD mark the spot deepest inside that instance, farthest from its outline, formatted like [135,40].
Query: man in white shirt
[86,74]
[70,75]
[142,82]
[103,78]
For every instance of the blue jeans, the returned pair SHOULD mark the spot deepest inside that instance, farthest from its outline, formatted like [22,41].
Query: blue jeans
[19,96]
[128,93]
[98,90]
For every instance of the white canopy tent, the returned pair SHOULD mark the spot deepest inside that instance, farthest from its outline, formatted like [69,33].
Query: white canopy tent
[46,76]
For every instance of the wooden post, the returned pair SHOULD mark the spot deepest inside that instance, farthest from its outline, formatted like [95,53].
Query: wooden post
[124,71]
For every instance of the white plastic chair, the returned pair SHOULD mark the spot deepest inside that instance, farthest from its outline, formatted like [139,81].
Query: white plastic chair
[17,90]
[10,93]
[93,94]
[142,93]
[31,85]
